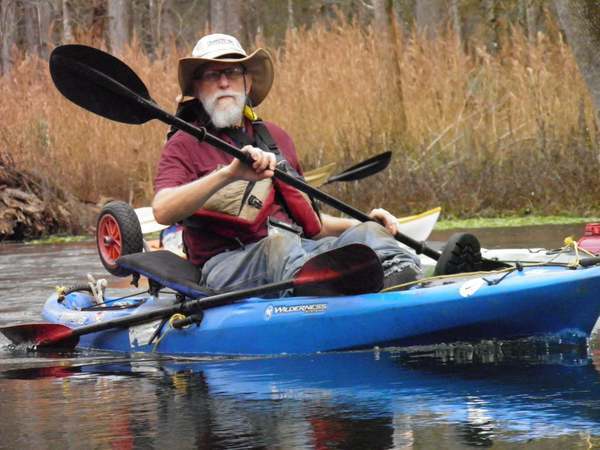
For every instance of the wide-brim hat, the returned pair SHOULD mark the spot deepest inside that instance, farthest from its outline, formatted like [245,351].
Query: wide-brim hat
[223,48]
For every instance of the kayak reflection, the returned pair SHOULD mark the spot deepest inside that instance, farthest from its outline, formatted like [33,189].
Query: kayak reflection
[354,400]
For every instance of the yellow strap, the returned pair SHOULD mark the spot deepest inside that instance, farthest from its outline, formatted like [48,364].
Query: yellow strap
[249,113]
[570,242]
[60,290]
[174,317]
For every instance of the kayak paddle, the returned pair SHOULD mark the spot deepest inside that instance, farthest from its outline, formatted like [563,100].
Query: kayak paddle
[105,85]
[363,169]
[319,176]
[350,270]
[323,175]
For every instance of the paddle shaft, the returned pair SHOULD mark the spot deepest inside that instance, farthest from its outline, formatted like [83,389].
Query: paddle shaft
[202,135]
[160,313]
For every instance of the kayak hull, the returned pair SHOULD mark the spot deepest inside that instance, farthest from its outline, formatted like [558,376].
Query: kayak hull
[532,302]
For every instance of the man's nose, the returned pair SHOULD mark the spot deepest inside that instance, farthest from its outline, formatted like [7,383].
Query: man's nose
[223,80]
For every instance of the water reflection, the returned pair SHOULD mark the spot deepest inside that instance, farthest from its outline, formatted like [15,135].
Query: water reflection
[533,392]
[438,397]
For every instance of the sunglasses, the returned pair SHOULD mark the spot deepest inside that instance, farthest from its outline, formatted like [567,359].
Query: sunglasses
[213,76]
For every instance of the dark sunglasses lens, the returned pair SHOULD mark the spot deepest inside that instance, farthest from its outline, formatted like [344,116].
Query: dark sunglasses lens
[232,73]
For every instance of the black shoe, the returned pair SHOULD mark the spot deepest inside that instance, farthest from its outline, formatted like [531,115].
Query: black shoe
[462,253]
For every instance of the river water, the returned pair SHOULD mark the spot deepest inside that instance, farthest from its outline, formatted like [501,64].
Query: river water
[525,394]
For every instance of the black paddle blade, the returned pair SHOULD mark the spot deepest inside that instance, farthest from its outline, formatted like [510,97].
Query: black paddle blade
[39,335]
[350,270]
[100,83]
[364,169]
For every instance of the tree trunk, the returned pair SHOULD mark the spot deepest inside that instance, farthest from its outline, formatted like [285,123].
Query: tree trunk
[382,22]
[531,16]
[32,37]
[455,18]
[98,19]
[218,16]
[290,12]
[7,34]
[580,20]
[493,41]
[430,15]
[155,16]
[44,11]
[66,22]
[234,18]
[387,25]
[37,26]
[252,23]
[226,17]
[167,22]
[118,25]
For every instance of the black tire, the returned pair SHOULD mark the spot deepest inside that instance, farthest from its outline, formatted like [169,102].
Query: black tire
[462,254]
[118,233]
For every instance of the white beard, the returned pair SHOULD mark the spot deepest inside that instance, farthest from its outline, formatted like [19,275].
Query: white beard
[226,113]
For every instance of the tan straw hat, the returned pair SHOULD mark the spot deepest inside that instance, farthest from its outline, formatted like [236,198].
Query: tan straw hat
[223,48]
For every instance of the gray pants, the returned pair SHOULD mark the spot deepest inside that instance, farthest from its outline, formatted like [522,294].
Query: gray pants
[280,255]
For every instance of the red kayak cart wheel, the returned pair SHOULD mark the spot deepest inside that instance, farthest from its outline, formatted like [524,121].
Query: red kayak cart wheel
[118,233]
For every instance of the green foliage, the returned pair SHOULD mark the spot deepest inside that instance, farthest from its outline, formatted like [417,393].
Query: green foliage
[60,239]
[511,221]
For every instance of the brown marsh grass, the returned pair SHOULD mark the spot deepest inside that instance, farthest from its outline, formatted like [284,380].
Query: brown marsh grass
[478,133]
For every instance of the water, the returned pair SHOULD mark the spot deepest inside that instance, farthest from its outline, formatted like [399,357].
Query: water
[547,236]
[531,393]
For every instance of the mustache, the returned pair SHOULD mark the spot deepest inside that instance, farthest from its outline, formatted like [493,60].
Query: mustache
[218,95]
[227,114]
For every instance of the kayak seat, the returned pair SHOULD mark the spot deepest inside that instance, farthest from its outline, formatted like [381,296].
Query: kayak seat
[167,269]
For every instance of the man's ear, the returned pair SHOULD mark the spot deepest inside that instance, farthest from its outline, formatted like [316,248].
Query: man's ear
[248,83]
[196,89]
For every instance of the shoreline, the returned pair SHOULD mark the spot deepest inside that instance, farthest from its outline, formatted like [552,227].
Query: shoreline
[511,221]
[442,225]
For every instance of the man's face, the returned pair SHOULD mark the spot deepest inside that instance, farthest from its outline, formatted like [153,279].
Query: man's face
[220,88]
[217,78]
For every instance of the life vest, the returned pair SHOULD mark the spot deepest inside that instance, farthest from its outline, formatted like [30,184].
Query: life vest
[241,209]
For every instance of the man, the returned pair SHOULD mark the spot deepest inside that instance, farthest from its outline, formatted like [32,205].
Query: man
[243,227]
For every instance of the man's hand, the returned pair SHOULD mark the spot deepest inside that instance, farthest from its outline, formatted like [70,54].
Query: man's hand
[385,218]
[263,166]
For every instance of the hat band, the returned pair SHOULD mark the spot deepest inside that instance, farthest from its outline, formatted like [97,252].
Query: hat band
[219,54]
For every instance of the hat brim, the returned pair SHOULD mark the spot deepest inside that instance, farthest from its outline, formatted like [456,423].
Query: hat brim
[259,64]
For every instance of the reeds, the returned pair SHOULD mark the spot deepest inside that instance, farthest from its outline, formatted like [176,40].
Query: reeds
[478,133]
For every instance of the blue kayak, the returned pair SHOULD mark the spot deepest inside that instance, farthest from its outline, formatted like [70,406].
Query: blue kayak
[524,301]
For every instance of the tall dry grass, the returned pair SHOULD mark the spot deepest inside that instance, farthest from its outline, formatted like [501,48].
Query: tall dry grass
[484,134]
[84,153]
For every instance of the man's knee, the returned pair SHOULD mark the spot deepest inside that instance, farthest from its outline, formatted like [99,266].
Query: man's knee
[372,227]
[281,243]
[364,232]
